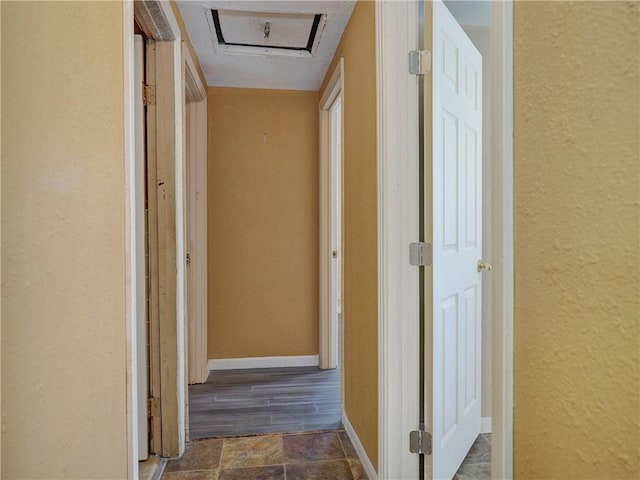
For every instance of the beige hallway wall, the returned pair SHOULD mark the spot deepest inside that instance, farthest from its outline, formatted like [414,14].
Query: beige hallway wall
[263,222]
[358,47]
[577,240]
[63,259]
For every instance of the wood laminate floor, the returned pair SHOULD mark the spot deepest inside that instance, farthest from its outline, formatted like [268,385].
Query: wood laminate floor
[256,401]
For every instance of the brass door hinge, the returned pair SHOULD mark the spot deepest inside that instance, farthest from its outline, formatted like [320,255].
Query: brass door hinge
[153,407]
[148,94]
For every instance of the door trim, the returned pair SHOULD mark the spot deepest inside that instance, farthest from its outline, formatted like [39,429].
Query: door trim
[398,282]
[131,293]
[502,205]
[397,287]
[196,162]
[167,307]
[171,97]
[327,332]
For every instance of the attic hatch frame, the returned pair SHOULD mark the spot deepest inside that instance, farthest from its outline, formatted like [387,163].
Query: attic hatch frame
[232,48]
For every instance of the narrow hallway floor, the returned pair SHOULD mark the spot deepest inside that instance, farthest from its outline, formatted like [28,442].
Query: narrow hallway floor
[301,456]
[265,400]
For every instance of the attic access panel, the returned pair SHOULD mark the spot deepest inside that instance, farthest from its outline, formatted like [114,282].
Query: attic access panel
[286,31]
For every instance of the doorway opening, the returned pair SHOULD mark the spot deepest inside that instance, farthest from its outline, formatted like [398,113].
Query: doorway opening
[268,200]
[265,177]
[265,239]
[331,214]
[495,390]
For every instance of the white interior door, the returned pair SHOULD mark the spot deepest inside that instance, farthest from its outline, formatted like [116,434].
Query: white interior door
[457,242]
[141,313]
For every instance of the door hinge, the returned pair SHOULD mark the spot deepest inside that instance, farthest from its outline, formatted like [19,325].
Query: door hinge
[420,254]
[188,259]
[148,94]
[420,442]
[419,62]
[153,407]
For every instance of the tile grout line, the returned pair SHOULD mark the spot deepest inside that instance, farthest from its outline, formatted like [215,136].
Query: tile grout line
[344,451]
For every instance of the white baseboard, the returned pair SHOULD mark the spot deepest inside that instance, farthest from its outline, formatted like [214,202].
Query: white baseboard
[262,362]
[485,425]
[364,459]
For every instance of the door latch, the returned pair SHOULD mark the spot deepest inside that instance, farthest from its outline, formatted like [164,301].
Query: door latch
[482,265]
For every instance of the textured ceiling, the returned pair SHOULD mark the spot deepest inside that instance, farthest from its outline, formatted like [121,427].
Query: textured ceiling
[266,68]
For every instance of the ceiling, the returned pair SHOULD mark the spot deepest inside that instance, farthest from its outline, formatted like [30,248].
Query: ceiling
[266,44]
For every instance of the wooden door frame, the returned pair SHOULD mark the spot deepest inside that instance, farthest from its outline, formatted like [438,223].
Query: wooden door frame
[328,332]
[174,77]
[196,158]
[398,296]
[165,184]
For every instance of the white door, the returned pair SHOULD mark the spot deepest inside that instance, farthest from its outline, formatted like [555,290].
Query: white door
[141,314]
[453,404]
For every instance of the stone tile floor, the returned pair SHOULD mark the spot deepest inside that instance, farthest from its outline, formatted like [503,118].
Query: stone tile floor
[477,464]
[301,456]
[325,455]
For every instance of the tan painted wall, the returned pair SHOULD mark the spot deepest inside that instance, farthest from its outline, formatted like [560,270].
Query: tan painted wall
[577,241]
[263,223]
[63,295]
[358,47]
